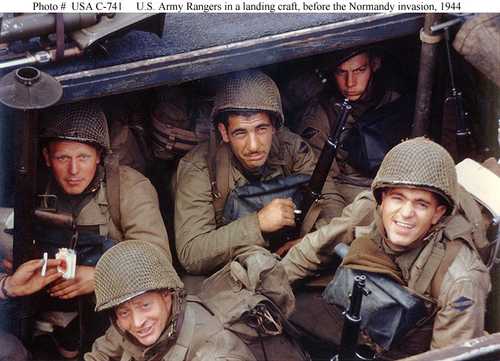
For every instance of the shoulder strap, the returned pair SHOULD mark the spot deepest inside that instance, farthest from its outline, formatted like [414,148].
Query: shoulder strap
[218,172]
[112,169]
[431,266]
[452,249]
[180,350]
[310,219]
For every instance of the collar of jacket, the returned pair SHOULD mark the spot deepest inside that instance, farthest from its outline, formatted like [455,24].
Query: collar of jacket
[167,338]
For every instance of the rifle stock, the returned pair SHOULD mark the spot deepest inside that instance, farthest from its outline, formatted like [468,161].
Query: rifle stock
[325,160]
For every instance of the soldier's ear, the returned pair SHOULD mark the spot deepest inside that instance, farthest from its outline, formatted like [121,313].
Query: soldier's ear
[223,132]
[440,211]
[375,62]
[46,156]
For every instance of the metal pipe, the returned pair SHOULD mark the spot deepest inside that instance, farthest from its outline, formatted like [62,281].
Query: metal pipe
[33,25]
[428,57]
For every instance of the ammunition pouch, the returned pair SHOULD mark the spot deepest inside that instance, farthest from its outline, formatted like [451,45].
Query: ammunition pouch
[376,132]
[89,248]
[389,313]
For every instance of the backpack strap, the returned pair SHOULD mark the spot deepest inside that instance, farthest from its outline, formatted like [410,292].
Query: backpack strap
[451,252]
[310,219]
[180,350]
[431,266]
[112,168]
[218,162]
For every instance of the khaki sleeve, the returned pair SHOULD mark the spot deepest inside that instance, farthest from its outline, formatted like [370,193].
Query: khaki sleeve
[140,211]
[106,348]
[202,247]
[315,250]
[462,315]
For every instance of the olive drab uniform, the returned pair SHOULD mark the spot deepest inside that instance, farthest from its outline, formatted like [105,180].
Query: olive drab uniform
[315,127]
[139,214]
[102,215]
[446,268]
[192,333]
[203,245]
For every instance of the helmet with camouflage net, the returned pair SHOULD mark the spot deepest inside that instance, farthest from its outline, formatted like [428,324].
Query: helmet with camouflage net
[79,122]
[418,163]
[249,90]
[130,269]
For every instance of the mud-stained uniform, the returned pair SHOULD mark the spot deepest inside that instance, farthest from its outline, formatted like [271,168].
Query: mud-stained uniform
[202,246]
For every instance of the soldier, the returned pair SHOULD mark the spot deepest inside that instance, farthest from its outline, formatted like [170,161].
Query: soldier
[75,145]
[419,240]
[255,148]
[151,316]
[376,103]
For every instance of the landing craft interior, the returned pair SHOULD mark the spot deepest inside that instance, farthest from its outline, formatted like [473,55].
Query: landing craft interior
[192,51]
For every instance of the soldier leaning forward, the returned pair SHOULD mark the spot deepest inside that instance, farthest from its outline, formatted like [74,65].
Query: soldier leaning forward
[378,120]
[256,148]
[151,316]
[82,183]
[418,239]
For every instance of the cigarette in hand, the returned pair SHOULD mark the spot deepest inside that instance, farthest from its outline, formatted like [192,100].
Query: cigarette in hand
[44,267]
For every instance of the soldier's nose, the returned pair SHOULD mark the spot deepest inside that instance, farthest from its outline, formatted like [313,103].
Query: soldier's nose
[253,143]
[351,80]
[73,167]
[407,210]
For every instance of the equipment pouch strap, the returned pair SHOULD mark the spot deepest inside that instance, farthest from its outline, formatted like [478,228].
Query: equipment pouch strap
[179,351]
[452,249]
[218,173]
[113,187]
[430,269]
[310,219]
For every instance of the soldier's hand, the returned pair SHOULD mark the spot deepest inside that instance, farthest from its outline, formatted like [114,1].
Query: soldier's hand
[276,215]
[82,284]
[7,265]
[28,280]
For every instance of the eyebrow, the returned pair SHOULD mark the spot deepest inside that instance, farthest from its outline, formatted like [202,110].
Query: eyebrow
[414,200]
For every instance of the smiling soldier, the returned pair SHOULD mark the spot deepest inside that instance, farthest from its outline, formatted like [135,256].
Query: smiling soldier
[152,318]
[420,241]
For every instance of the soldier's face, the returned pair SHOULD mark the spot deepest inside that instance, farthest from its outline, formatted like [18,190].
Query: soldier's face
[408,214]
[145,317]
[73,164]
[354,75]
[250,138]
